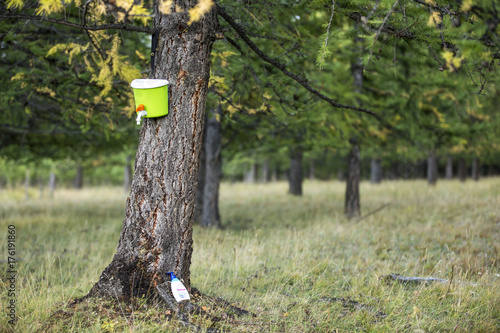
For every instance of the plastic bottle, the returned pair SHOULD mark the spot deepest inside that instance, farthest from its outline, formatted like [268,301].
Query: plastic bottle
[178,290]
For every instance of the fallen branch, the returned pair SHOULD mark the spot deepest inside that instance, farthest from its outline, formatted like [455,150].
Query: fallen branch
[414,279]
[373,212]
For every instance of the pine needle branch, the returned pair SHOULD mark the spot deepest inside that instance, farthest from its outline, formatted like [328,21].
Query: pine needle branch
[118,26]
[244,36]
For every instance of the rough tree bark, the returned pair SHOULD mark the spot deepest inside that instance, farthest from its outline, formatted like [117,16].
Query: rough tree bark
[78,182]
[462,169]
[213,169]
[475,169]
[449,168]
[127,173]
[295,177]
[352,202]
[432,168]
[376,171]
[156,236]
[198,209]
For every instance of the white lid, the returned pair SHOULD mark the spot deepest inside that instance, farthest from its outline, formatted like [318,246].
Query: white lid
[148,83]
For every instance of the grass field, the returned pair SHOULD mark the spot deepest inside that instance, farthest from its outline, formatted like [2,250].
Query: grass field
[296,263]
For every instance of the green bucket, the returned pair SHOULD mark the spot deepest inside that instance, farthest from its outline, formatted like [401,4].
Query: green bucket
[153,94]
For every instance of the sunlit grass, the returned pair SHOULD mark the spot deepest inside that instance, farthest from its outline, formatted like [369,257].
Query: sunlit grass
[287,259]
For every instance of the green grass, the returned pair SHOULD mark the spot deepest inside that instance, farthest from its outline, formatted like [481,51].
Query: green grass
[283,258]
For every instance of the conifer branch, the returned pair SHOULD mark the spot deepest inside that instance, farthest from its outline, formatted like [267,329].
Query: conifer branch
[244,36]
[118,26]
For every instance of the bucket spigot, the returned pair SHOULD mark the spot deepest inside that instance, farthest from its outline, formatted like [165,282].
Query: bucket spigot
[140,113]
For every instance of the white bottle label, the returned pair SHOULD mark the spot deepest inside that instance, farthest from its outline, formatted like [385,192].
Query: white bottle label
[179,291]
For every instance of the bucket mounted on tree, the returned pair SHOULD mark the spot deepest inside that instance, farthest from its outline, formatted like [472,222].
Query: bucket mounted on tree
[151,98]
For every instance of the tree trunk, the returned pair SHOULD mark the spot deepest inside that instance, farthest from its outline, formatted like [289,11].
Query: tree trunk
[352,201]
[311,169]
[213,170]
[127,173]
[432,168]
[376,171]
[198,209]
[27,184]
[52,184]
[156,236]
[295,177]
[449,168]
[78,183]
[40,187]
[462,169]
[475,169]
[264,177]
[251,175]
[274,175]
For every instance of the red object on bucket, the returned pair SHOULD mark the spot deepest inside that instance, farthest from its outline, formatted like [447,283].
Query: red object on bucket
[140,108]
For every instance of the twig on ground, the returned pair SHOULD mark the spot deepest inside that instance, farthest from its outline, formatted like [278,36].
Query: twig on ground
[414,279]
[373,212]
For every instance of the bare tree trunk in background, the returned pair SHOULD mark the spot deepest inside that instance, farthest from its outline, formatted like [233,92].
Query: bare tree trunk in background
[251,175]
[156,236]
[264,177]
[79,177]
[52,184]
[213,169]
[27,184]
[449,168]
[432,168]
[462,169]
[475,169]
[376,171]
[311,169]
[491,170]
[127,174]
[295,177]
[352,200]
[40,187]
[274,175]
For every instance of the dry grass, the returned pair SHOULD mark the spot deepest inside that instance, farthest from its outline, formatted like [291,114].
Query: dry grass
[295,262]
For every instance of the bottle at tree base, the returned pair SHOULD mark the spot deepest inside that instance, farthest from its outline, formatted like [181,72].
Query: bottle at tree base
[178,289]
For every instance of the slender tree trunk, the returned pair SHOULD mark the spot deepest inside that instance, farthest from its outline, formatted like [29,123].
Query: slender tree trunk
[432,168]
[127,173]
[376,171]
[274,175]
[449,168]
[295,177]
[40,187]
[52,184]
[462,169]
[198,209]
[491,170]
[475,169]
[352,200]
[213,171]
[156,236]
[78,183]
[27,184]
[264,177]
[251,175]
[311,170]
